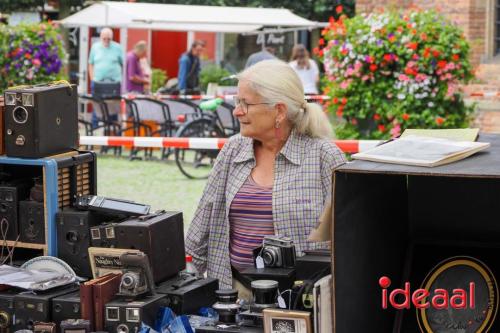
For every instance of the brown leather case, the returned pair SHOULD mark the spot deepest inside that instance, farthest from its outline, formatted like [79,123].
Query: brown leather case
[41,327]
[2,110]
[87,297]
[103,293]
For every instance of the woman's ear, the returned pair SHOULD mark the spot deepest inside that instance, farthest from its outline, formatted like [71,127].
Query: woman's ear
[282,111]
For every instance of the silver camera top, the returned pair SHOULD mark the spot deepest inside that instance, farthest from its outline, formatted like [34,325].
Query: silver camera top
[277,241]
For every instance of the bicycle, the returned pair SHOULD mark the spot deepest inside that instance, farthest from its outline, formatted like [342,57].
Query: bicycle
[197,163]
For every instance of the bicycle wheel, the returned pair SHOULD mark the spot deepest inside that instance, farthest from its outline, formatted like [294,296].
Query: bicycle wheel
[197,163]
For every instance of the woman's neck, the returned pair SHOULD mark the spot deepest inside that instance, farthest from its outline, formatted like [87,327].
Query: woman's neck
[274,145]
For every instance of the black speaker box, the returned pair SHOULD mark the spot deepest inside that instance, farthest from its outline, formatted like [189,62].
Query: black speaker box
[186,295]
[7,310]
[73,238]
[31,307]
[161,237]
[41,120]
[10,195]
[400,221]
[32,222]
[66,307]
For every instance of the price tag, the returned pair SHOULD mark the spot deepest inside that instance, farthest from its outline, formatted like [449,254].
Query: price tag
[281,302]
[259,262]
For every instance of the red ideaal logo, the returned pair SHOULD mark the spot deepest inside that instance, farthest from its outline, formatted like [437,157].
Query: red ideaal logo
[441,299]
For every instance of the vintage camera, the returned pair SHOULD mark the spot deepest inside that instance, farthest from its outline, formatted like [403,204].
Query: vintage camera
[137,278]
[7,310]
[278,252]
[75,326]
[186,294]
[123,316]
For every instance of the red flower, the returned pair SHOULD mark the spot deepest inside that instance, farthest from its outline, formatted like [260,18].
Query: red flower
[335,100]
[331,20]
[354,121]
[455,57]
[441,64]
[339,9]
[373,67]
[381,128]
[410,71]
[344,51]
[316,50]
[376,116]
[439,121]
[27,56]
[340,110]
[321,42]
[427,51]
[423,36]
[435,53]
[387,57]
[406,116]
[343,101]
[412,45]
[392,39]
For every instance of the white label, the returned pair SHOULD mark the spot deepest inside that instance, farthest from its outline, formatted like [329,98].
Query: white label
[281,302]
[259,262]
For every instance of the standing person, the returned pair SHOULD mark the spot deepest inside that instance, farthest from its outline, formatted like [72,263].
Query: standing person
[274,178]
[189,69]
[267,53]
[105,65]
[136,80]
[306,69]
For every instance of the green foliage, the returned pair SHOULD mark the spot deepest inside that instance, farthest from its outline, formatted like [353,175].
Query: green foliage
[214,73]
[30,54]
[391,71]
[158,79]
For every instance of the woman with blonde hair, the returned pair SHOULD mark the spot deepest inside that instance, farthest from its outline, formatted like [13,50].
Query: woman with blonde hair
[274,178]
[306,68]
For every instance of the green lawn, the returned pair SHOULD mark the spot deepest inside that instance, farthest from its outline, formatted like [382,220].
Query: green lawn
[159,184]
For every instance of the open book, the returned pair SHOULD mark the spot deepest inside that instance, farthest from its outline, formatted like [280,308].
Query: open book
[421,151]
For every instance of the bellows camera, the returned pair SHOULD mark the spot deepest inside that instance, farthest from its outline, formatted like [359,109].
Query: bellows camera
[137,278]
[278,252]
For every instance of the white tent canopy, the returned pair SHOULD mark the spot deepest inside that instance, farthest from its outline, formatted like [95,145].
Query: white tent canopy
[184,17]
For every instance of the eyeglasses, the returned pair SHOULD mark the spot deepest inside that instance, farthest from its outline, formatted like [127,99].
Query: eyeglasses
[244,105]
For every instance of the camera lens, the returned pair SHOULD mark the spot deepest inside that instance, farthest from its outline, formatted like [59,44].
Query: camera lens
[20,115]
[128,280]
[226,307]
[270,255]
[122,328]
[264,292]
[4,319]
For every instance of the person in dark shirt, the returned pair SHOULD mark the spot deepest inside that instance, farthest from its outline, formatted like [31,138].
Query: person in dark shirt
[189,69]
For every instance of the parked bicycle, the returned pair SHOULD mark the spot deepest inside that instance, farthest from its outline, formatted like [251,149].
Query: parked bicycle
[215,121]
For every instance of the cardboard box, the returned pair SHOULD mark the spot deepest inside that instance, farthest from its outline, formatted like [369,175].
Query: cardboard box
[399,221]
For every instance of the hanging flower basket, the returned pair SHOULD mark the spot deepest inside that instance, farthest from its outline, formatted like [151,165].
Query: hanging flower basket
[390,71]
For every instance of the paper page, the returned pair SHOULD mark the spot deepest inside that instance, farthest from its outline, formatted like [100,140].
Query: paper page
[456,134]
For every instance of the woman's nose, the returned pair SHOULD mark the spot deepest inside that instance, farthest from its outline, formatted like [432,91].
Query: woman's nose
[238,111]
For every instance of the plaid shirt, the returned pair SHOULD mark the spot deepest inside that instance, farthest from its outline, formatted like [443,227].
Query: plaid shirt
[302,185]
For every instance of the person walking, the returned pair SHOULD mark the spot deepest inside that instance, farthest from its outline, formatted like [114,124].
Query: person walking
[306,69]
[189,69]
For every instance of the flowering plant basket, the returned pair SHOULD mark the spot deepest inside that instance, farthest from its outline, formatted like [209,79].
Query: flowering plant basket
[30,54]
[389,71]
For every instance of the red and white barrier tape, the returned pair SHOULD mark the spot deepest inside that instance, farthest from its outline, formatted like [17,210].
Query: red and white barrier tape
[484,94]
[347,146]
[203,97]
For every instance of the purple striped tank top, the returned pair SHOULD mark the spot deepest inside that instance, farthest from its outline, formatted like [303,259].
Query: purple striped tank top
[250,219]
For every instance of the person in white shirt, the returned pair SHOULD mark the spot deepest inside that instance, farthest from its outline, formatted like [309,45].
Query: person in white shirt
[306,69]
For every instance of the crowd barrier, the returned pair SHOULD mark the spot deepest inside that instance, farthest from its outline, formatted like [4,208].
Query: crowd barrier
[347,146]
